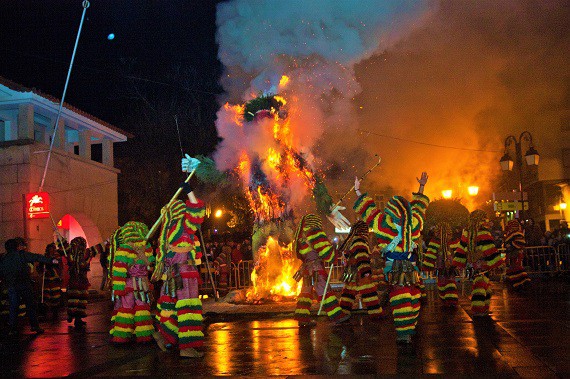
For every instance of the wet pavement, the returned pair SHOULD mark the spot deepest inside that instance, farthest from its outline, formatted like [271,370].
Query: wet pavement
[526,336]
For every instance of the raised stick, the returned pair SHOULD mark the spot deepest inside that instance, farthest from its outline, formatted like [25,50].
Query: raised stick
[159,221]
[361,178]
[337,203]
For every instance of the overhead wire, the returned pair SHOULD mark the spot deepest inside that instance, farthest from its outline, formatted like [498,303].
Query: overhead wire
[427,143]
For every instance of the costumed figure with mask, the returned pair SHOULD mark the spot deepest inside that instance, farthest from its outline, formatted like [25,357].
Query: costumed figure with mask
[357,275]
[397,229]
[131,261]
[180,254]
[477,252]
[313,248]
[514,247]
[78,263]
[53,278]
[439,258]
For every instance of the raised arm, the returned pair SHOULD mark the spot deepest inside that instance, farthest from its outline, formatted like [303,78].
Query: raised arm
[366,208]
[422,180]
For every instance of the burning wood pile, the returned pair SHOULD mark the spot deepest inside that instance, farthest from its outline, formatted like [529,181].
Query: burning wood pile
[272,277]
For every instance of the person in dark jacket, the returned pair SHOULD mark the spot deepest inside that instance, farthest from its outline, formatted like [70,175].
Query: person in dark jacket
[15,271]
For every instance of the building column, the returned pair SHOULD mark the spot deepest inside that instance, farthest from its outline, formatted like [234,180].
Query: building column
[60,135]
[107,145]
[26,121]
[85,143]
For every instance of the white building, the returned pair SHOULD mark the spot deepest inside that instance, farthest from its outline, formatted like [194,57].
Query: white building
[81,180]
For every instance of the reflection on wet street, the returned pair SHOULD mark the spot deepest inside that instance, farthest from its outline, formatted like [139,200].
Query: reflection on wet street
[526,336]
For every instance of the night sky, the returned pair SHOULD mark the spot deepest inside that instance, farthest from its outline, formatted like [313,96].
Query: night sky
[428,85]
[150,37]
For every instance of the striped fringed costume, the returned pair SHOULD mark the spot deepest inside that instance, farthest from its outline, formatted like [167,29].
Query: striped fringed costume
[418,255]
[438,258]
[397,229]
[514,245]
[358,272]
[52,279]
[313,247]
[477,249]
[78,261]
[180,254]
[5,306]
[131,263]
[222,266]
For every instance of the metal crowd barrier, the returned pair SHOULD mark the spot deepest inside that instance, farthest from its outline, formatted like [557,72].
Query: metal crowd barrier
[336,276]
[537,259]
[563,257]
[243,273]
[547,259]
[540,259]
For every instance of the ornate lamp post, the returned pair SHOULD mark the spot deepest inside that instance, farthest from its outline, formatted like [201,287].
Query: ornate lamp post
[531,157]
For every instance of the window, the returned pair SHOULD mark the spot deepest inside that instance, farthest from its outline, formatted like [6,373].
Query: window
[97,152]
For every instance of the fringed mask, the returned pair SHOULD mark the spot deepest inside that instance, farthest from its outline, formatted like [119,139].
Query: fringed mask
[307,222]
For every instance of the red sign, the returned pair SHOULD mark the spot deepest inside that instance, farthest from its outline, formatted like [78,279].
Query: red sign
[37,205]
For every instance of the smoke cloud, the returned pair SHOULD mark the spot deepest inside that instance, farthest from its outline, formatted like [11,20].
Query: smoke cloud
[422,84]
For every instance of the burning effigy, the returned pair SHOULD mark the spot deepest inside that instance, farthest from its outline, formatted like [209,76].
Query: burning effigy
[275,175]
[289,113]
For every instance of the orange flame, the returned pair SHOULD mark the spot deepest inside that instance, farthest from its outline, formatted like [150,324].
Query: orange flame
[237,112]
[273,274]
[283,81]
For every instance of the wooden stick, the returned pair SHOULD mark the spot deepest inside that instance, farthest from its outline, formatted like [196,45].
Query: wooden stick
[43,281]
[159,221]
[58,235]
[361,178]
[326,287]
[337,204]
[216,297]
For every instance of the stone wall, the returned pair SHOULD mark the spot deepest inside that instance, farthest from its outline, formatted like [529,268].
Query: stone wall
[78,186]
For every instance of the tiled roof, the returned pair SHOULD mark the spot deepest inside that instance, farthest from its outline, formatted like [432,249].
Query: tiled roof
[20,88]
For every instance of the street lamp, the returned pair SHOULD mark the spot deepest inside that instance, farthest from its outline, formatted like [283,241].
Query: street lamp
[473,190]
[531,157]
[447,194]
[218,213]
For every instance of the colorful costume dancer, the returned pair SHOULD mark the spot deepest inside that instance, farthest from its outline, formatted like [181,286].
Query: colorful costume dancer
[477,249]
[78,261]
[52,277]
[312,247]
[514,246]
[439,258]
[358,273]
[222,267]
[131,263]
[180,254]
[398,228]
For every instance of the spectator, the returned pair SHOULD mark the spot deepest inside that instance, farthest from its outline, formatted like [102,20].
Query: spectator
[15,271]
[237,254]
[247,252]
[222,268]
[533,233]
[104,261]
[52,279]
[564,232]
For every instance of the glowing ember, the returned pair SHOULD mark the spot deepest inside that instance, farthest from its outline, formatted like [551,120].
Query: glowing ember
[272,277]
